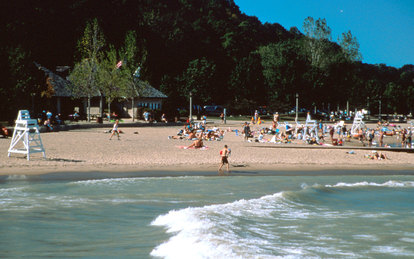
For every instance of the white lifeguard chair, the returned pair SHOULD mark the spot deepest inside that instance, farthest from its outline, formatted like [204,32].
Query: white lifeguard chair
[26,136]
[358,123]
[310,123]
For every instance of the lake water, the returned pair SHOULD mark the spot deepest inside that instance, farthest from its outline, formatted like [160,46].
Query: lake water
[319,216]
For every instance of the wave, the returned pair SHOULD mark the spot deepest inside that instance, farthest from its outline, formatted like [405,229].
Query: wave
[213,231]
[391,184]
[253,228]
[108,181]
[16,177]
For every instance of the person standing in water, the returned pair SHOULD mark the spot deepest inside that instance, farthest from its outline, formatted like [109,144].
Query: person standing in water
[224,154]
[115,130]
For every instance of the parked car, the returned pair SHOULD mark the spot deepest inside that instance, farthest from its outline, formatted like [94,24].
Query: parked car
[213,110]
[293,110]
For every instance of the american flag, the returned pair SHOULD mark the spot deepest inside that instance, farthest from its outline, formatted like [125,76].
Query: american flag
[119,64]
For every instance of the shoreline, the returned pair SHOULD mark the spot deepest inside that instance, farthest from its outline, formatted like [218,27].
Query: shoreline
[95,173]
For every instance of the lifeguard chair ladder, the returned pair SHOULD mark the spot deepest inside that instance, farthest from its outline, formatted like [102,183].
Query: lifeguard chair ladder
[310,123]
[358,123]
[26,131]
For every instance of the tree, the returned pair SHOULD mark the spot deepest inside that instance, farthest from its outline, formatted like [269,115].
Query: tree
[17,86]
[247,84]
[318,34]
[284,69]
[114,81]
[350,46]
[85,73]
[198,79]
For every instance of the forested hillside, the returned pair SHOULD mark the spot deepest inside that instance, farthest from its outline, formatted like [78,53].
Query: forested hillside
[207,47]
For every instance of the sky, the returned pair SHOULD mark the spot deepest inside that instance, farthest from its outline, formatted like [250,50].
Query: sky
[383,28]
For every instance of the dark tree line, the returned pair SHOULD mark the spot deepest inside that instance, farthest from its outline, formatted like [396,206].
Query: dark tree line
[207,47]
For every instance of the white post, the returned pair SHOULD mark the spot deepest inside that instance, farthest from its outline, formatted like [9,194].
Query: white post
[297,106]
[347,108]
[379,111]
[89,108]
[191,106]
[133,109]
[109,109]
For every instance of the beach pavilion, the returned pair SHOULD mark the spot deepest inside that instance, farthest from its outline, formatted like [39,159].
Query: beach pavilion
[142,95]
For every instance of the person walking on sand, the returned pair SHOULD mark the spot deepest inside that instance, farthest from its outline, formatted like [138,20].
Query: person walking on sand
[115,130]
[246,131]
[224,153]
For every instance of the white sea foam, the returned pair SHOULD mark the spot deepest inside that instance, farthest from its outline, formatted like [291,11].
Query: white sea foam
[16,177]
[408,240]
[13,190]
[391,250]
[386,184]
[110,181]
[366,237]
[211,231]
[106,181]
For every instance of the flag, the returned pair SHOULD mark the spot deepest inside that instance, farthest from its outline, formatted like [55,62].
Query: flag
[136,73]
[119,64]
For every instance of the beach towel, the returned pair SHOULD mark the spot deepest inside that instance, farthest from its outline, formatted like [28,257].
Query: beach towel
[185,147]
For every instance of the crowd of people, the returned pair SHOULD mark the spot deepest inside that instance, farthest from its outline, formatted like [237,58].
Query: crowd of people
[198,132]
[320,133]
[50,121]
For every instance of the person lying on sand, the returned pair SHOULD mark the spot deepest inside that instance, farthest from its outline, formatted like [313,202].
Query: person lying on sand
[377,156]
[190,136]
[196,144]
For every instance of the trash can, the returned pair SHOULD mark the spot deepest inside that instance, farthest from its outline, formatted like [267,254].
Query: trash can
[99,119]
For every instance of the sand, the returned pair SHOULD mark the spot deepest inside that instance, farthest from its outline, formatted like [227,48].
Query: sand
[90,150]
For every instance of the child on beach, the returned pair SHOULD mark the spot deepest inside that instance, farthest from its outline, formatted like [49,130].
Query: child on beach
[224,153]
[115,130]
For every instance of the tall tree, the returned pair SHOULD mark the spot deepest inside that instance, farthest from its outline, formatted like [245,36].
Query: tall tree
[284,69]
[197,79]
[18,85]
[116,76]
[246,83]
[318,34]
[114,81]
[85,73]
[350,46]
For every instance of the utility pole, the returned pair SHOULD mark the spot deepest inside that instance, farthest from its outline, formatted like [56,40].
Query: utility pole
[191,106]
[297,106]
[379,110]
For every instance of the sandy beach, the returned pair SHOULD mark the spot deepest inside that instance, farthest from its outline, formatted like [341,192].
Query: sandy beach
[148,149]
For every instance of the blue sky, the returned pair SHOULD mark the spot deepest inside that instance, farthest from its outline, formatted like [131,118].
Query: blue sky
[383,28]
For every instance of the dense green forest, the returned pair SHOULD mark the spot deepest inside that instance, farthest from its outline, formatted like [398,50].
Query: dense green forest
[207,47]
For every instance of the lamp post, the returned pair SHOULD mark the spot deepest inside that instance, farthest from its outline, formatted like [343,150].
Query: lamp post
[379,110]
[191,105]
[297,106]
[347,108]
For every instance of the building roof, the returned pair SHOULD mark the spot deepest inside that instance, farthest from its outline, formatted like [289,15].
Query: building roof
[60,85]
[145,90]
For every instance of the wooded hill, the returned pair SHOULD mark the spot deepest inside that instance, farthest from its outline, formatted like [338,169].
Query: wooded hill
[207,47]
